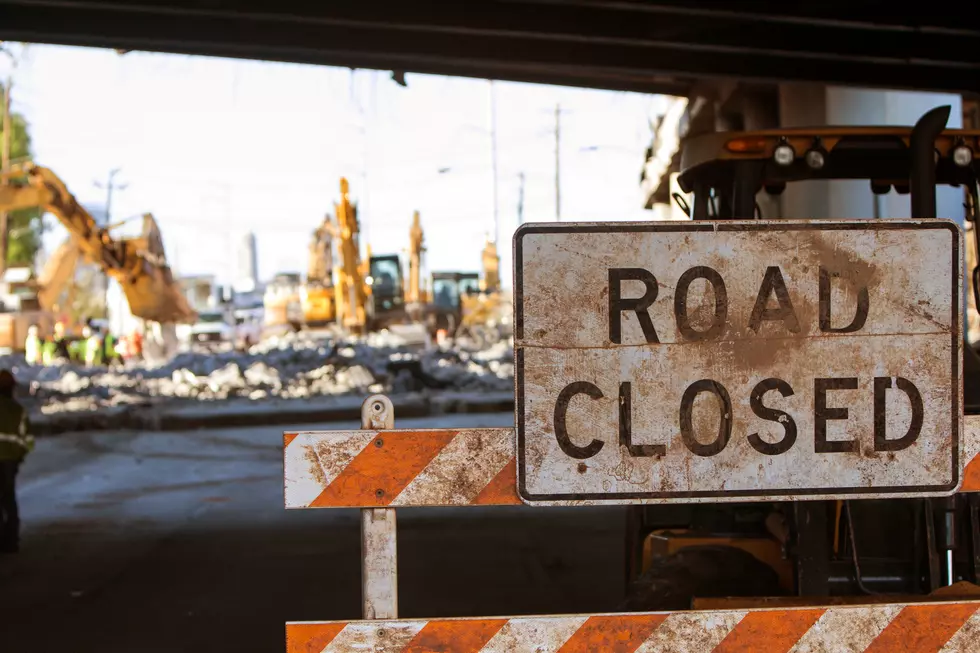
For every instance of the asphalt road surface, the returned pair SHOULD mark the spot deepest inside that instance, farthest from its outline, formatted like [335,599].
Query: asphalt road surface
[157,541]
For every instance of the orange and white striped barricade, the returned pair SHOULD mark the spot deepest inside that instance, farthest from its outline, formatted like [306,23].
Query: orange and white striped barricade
[971,454]
[379,469]
[935,627]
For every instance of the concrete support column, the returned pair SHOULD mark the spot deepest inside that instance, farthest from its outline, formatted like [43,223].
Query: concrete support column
[804,105]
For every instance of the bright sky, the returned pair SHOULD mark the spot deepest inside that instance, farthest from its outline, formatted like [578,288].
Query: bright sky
[217,147]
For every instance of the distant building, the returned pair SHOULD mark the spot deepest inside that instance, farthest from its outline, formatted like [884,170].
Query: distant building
[202,291]
[248,263]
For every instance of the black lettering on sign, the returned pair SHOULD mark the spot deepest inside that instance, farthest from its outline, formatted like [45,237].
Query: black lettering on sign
[724,425]
[772,415]
[773,283]
[821,413]
[639,305]
[860,314]
[721,303]
[882,443]
[561,430]
[626,426]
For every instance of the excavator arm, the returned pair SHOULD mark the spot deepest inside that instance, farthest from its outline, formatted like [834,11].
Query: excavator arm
[352,291]
[56,273]
[138,264]
[416,242]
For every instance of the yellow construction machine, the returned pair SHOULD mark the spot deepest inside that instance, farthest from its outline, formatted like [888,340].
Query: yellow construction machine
[484,314]
[414,292]
[371,293]
[33,300]
[818,548]
[351,291]
[138,264]
[318,295]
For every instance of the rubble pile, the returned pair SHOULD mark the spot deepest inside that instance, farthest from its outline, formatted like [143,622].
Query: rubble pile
[289,367]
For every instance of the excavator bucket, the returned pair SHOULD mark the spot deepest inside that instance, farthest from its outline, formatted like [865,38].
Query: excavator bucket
[151,290]
[154,295]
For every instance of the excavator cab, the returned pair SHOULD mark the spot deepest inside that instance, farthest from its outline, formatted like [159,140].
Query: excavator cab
[449,288]
[449,291]
[387,287]
[815,548]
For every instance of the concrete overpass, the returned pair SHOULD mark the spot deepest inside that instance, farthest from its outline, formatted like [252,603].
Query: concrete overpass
[639,45]
[743,64]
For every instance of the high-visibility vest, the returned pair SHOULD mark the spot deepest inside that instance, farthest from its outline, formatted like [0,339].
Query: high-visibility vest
[15,438]
[92,350]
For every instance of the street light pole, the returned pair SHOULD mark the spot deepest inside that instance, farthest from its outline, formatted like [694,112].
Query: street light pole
[558,162]
[520,199]
[110,185]
[493,159]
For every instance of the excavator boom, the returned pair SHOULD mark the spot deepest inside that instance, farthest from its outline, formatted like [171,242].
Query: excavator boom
[59,269]
[138,264]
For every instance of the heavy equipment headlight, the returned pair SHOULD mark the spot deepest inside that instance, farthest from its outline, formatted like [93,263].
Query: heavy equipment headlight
[815,159]
[962,155]
[784,154]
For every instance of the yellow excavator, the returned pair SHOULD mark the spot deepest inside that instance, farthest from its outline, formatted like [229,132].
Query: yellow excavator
[370,293]
[318,295]
[479,305]
[483,312]
[138,264]
[367,294]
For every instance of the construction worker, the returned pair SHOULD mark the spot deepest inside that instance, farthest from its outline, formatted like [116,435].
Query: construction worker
[136,345]
[60,349]
[108,351]
[15,443]
[93,346]
[32,346]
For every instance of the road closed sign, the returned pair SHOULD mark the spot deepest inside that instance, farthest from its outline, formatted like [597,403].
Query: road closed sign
[734,361]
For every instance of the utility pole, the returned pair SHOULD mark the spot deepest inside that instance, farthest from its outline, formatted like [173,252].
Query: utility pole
[109,187]
[493,159]
[558,162]
[5,168]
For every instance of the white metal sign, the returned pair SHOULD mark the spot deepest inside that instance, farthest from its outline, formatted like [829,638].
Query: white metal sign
[699,361]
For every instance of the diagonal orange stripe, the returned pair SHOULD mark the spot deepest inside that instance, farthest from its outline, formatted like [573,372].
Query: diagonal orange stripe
[921,628]
[287,438]
[971,476]
[621,633]
[458,636]
[502,489]
[773,631]
[310,638]
[380,472]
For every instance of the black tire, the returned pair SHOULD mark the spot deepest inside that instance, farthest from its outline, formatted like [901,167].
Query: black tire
[673,581]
